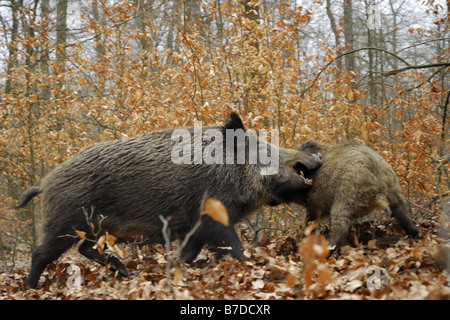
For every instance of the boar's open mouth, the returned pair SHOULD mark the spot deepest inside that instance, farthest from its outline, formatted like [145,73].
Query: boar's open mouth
[304,172]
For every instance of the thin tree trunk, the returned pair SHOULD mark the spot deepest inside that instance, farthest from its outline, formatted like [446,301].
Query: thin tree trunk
[348,34]
[45,54]
[61,34]
[335,32]
[12,61]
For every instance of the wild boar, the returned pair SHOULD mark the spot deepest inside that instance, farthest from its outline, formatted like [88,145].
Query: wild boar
[132,182]
[352,182]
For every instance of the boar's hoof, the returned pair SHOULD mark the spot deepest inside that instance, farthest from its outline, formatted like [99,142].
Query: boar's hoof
[116,265]
[414,233]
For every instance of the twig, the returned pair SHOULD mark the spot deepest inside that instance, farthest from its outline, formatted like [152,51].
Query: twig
[89,218]
[89,222]
[444,117]
[420,207]
[165,223]
[415,67]
[347,53]
[197,225]
[386,74]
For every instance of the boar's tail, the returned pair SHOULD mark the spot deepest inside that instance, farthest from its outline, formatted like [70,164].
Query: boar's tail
[27,196]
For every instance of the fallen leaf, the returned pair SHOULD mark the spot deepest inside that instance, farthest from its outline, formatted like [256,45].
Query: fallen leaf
[372,244]
[217,211]
[110,239]
[323,274]
[258,284]
[291,280]
[353,285]
[81,234]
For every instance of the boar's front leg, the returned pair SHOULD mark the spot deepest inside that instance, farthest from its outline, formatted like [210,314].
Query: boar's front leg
[215,234]
[87,250]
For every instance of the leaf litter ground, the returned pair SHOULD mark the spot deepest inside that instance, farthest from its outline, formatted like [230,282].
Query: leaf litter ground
[379,264]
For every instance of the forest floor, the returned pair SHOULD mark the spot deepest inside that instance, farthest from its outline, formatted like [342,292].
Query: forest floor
[380,264]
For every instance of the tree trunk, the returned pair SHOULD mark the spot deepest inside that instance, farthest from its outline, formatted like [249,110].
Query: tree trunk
[45,54]
[61,34]
[12,61]
[348,34]
[335,32]
[99,48]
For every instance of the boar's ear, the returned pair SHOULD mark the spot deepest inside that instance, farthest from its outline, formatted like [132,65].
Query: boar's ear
[234,122]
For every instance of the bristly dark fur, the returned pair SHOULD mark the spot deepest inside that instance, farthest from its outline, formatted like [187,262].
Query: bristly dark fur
[352,182]
[132,182]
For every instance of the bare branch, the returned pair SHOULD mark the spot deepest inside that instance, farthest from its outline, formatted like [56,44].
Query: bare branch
[409,67]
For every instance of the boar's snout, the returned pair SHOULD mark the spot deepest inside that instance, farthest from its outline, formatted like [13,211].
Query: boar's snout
[308,163]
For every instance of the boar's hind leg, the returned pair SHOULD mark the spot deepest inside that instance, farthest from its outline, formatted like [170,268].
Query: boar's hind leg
[48,251]
[87,250]
[340,223]
[402,212]
[214,234]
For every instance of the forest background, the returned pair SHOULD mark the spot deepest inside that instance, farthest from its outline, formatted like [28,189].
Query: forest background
[73,73]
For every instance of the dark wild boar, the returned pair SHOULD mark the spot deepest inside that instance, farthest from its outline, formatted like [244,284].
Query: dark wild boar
[133,181]
[353,181]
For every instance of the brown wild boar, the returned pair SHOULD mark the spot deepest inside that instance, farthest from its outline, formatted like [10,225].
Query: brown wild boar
[353,181]
[133,181]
